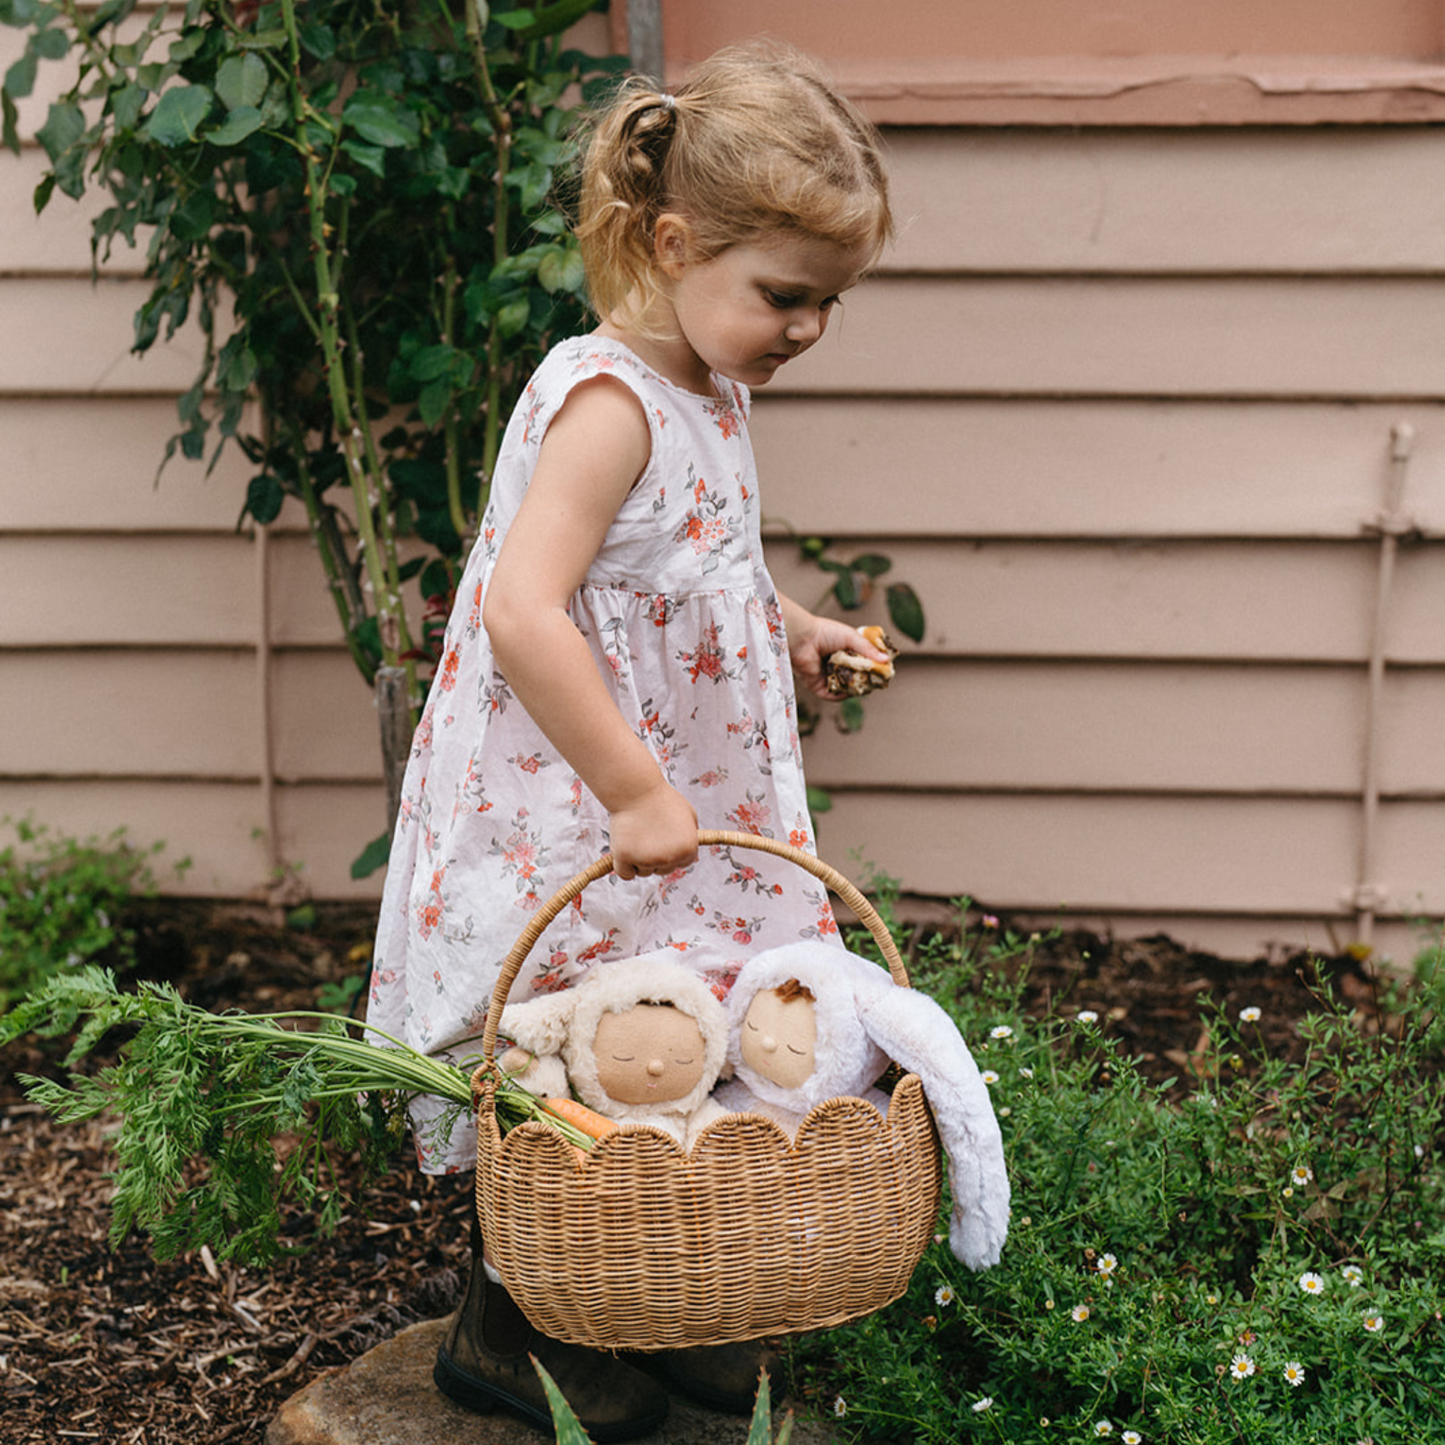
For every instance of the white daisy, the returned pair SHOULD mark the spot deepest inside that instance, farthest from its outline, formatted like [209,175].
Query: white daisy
[990,1077]
[943,1295]
[1003,1031]
[979,1406]
[1079,1313]
[1301,1175]
[1312,1283]
[1087,1016]
[1294,1373]
[1241,1366]
[1132,1437]
[1353,1275]
[840,1406]
[1249,1015]
[1103,1427]
[1374,1323]
[1106,1264]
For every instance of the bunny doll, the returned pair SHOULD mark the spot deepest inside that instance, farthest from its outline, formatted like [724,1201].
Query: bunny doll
[640,1040]
[809,1022]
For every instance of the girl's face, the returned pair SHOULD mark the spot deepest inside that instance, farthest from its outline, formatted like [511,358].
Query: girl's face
[648,1054]
[752,309]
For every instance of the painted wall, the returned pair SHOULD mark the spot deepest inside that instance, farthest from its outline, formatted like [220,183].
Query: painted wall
[1120,404]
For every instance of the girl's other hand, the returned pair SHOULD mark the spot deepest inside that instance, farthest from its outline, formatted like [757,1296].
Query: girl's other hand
[655,835]
[811,640]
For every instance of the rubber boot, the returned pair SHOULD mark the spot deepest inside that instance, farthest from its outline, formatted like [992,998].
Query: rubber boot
[723,1377]
[484,1363]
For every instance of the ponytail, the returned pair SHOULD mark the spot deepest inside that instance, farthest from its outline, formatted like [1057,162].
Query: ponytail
[623,193]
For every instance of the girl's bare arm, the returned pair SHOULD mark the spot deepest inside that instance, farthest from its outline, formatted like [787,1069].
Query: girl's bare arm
[593,453]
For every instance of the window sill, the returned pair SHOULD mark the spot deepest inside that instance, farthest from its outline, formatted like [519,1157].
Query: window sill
[1154,90]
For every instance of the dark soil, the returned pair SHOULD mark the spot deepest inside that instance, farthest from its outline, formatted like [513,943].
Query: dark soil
[106,1344]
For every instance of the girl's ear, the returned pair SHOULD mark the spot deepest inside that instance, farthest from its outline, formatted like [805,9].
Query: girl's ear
[672,243]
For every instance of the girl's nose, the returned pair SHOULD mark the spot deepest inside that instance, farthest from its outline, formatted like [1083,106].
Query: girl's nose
[806,327]
[655,1067]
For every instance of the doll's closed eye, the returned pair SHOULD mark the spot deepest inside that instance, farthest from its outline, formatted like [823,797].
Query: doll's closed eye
[624,1058]
[801,1053]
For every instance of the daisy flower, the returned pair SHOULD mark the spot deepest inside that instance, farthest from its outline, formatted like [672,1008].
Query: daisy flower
[1241,1366]
[1026,1073]
[840,1406]
[1103,1427]
[1106,1264]
[1003,1031]
[1079,1314]
[980,1405]
[1249,1015]
[1294,1373]
[1132,1437]
[1301,1175]
[943,1295]
[1353,1275]
[1374,1323]
[990,1076]
[1312,1283]
[1088,1016]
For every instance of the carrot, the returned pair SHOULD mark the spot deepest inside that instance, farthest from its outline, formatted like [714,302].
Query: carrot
[582,1124]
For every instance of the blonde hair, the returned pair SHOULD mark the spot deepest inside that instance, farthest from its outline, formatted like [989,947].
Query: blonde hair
[753,143]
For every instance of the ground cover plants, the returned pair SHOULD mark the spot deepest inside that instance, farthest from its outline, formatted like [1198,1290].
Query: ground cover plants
[1251,1251]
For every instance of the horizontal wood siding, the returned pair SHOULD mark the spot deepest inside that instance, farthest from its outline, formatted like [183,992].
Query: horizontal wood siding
[1120,406]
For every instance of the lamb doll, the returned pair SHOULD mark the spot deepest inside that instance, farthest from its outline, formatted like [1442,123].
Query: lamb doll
[809,1022]
[641,1040]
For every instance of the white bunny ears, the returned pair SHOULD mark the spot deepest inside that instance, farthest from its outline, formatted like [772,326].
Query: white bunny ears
[863,1020]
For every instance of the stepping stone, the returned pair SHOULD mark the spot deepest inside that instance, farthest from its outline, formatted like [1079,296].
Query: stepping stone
[386,1397]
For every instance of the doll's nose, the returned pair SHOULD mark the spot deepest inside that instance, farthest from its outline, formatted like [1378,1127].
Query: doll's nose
[655,1067]
[770,1044]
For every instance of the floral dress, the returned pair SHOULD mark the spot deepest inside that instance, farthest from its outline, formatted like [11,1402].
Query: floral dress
[683,621]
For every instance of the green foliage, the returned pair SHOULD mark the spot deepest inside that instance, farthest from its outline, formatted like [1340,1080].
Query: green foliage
[352,203]
[1258,1256]
[61,903]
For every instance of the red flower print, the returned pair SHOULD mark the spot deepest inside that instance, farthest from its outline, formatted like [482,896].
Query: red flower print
[798,838]
[448,679]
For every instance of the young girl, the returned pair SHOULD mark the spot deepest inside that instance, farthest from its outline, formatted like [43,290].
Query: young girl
[616,669]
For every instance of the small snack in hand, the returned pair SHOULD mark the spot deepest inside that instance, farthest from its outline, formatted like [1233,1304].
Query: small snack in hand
[850,674]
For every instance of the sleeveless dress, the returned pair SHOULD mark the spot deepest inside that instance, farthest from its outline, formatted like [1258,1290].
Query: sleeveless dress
[684,624]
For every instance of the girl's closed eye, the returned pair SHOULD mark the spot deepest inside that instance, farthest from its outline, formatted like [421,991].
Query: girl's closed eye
[782,300]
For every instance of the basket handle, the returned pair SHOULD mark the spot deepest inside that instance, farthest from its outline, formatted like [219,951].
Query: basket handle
[706,838]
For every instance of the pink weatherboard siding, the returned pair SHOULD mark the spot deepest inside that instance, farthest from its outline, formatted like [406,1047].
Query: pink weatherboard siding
[1120,404]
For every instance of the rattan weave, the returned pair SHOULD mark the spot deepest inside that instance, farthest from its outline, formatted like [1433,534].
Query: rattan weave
[644,1246]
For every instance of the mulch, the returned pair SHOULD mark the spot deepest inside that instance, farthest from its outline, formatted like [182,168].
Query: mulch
[106,1344]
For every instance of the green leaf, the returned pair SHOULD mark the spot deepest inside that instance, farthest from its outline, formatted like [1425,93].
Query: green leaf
[432,362]
[381,121]
[241,81]
[567,1428]
[179,115]
[435,397]
[264,496]
[906,611]
[126,105]
[50,44]
[512,318]
[872,564]
[560,270]
[244,120]
[64,125]
[372,857]
[20,78]
[369,158]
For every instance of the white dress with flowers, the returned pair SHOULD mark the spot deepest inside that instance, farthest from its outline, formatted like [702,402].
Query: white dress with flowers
[683,621]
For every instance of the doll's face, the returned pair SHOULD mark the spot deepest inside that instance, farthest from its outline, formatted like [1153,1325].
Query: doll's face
[779,1038]
[648,1054]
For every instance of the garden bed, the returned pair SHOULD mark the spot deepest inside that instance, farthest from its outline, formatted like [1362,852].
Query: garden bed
[109,1345]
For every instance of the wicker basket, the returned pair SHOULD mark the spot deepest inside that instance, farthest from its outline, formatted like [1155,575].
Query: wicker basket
[644,1246]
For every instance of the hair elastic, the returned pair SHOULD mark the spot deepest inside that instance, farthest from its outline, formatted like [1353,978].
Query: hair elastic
[666,101]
